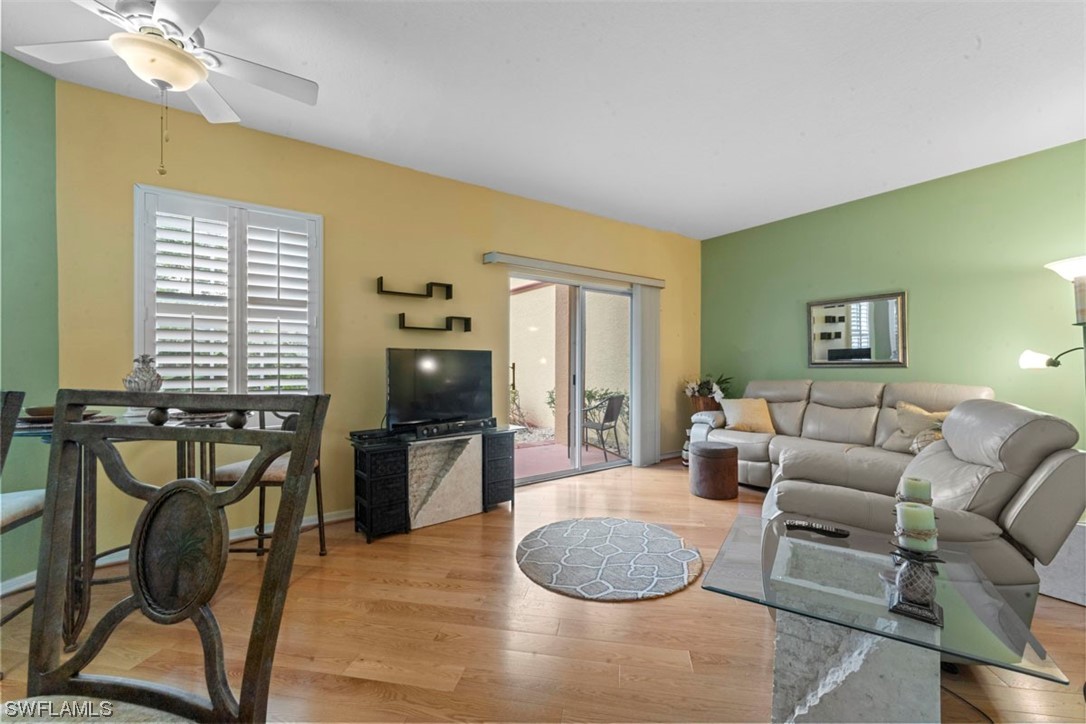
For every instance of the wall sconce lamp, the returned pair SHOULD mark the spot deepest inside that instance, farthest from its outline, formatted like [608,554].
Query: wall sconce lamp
[1030,360]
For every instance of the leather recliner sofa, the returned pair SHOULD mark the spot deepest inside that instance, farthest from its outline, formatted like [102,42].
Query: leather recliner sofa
[1007,487]
[844,423]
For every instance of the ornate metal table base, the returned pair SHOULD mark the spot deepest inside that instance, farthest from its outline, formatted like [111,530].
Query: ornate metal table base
[830,673]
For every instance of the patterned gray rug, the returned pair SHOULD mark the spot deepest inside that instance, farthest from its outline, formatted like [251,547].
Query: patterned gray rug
[608,559]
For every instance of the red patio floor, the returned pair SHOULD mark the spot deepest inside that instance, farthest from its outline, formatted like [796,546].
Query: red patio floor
[541,458]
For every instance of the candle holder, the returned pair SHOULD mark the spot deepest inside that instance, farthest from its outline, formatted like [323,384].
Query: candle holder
[902,498]
[912,587]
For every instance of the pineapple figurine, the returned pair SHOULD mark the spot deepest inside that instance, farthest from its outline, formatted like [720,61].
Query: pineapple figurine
[144,377]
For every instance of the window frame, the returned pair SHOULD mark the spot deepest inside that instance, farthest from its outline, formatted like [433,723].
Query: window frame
[145,206]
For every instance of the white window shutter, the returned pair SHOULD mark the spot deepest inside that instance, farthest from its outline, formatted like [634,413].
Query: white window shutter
[277,288]
[192,291]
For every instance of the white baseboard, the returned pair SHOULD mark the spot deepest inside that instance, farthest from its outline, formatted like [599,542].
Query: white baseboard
[236,535]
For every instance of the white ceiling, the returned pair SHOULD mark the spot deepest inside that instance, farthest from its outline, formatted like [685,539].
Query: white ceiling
[700,118]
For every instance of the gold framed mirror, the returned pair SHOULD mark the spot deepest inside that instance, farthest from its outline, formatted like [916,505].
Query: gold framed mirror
[867,331]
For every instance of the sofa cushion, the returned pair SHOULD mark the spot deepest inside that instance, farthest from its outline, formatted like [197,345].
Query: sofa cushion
[1005,436]
[860,468]
[847,395]
[849,425]
[747,415]
[753,446]
[787,402]
[960,485]
[926,395]
[780,443]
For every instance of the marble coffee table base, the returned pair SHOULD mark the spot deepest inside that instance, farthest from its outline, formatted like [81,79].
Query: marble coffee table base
[829,673]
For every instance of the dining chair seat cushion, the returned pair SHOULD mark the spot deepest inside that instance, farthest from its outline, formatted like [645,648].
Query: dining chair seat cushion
[59,708]
[276,472]
[20,505]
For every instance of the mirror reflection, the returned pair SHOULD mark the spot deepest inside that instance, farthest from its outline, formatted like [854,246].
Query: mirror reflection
[857,332]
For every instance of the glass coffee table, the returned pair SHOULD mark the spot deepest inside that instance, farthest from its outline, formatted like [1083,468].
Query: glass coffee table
[840,654]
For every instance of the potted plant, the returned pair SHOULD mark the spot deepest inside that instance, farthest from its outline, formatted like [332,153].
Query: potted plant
[706,390]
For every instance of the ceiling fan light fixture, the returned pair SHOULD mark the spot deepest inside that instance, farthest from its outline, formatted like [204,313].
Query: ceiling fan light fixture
[206,58]
[157,61]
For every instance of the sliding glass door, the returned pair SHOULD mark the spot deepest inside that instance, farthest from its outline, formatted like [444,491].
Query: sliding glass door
[569,377]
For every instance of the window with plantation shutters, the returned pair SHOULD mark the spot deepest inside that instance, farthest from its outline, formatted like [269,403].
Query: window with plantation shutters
[227,294]
[277,294]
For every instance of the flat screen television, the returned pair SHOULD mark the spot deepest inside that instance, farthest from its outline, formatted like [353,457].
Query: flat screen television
[438,385]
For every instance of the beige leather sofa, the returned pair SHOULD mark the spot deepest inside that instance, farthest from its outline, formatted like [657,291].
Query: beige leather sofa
[1006,484]
[844,424]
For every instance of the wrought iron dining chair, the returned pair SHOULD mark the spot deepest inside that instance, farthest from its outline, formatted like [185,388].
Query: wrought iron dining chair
[611,409]
[273,477]
[178,552]
[22,506]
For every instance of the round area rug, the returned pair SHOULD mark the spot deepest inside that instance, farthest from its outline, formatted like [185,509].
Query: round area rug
[608,559]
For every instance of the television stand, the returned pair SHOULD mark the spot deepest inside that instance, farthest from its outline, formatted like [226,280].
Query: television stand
[385,475]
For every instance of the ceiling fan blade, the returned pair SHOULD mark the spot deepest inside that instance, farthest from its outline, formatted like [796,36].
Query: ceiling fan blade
[69,52]
[212,105]
[285,84]
[185,14]
[106,13]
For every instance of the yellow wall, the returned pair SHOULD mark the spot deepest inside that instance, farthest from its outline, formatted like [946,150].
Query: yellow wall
[378,220]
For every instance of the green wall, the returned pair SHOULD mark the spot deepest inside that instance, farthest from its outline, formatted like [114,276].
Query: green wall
[28,277]
[968,249]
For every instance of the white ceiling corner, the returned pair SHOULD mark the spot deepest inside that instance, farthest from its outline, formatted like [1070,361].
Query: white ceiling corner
[695,117]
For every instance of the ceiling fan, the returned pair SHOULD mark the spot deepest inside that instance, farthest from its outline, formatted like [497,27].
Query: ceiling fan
[162,44]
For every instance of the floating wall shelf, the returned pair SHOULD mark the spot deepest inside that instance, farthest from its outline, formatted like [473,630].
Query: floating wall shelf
[466,323]
[428,294]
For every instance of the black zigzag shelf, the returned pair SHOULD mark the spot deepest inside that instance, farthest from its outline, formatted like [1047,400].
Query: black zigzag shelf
[465,323]
[428,294]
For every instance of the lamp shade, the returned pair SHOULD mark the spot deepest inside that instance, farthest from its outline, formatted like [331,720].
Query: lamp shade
[1074,270]
[157,61]
[1070,269]
[1030,360]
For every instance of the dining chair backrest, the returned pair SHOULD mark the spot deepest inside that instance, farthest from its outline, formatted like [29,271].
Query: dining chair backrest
[178,548]
[11,403]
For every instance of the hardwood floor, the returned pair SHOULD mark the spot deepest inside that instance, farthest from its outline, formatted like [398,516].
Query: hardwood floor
[441,625]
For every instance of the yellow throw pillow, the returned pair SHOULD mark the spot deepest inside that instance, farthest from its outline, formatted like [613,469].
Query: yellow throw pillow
[747,415]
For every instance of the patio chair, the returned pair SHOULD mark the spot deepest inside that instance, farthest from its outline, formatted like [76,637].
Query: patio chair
[611,409]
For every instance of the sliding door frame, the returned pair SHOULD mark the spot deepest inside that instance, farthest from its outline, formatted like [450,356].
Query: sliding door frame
[577,344]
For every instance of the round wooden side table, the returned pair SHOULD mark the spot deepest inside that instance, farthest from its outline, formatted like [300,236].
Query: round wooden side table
[714,470]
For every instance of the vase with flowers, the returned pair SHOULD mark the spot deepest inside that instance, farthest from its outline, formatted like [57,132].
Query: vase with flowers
[706,391]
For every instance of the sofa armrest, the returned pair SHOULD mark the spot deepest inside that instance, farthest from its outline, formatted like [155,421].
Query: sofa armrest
[699,432]
[807,465]
[712,418]
[1047,506]
[870,511]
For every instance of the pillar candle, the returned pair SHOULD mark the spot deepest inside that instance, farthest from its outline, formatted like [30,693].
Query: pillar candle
[919,518]
[916,489]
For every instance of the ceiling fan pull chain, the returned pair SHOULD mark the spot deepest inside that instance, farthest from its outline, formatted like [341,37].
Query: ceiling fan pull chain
[163,130]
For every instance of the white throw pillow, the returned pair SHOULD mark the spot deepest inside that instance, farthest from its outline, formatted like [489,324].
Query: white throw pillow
[912,421]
